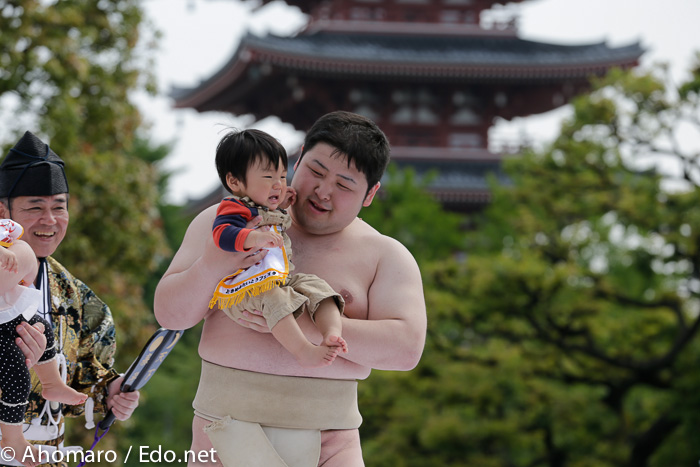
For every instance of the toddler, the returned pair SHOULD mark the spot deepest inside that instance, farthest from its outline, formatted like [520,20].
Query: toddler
[252,166]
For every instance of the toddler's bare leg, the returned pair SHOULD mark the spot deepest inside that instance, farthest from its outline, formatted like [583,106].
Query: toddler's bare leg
[27,268]
[8,279]
[13,439]
[288,333]
[329,324]
[53,387]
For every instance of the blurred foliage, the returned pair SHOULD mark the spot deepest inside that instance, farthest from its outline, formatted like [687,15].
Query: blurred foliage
[68,70]
[403,209]
[569,335]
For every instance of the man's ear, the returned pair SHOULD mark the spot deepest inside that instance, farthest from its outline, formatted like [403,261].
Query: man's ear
[4,212]
[234,184]
[370,195]
[296,164]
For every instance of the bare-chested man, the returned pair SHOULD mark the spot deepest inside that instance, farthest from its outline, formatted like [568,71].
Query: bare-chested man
[343,158]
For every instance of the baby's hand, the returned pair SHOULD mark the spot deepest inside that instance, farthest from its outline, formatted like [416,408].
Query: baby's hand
[264,239]
[290,197]
[8,260]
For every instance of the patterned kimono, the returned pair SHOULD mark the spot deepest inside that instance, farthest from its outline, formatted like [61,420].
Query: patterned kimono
[85,334]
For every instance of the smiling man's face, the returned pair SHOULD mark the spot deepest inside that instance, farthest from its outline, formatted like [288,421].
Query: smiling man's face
[329,193]
[44,219]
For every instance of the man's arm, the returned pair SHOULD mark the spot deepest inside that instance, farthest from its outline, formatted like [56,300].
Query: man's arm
[393,336]
[183,293]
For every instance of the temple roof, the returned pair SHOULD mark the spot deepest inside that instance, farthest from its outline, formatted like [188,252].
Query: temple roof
[299,77]
[392,56]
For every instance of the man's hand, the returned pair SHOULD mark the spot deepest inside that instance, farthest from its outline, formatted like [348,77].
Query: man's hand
[252,320]
[121,403]
[31,342]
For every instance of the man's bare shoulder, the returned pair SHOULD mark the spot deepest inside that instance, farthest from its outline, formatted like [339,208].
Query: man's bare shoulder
[201,225]
[206,217]
[193,244]
[380,244]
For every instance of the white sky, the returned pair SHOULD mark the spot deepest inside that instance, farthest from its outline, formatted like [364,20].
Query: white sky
[199,36]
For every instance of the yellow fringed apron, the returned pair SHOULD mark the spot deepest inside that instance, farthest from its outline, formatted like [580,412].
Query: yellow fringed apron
[271,272]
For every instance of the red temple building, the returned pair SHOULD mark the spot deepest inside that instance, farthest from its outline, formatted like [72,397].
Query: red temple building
[433,74]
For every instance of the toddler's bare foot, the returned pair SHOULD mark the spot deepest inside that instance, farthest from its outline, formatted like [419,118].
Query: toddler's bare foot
[22,450]
[64,394]
[313,356]
[333,340]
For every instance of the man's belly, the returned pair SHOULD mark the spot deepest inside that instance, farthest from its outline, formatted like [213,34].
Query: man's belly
[227,344]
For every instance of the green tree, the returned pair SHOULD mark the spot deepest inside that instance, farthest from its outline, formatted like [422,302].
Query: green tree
[403,209]
[569,336]
[68,70]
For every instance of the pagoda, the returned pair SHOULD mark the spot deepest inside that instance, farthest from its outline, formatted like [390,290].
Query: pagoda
[433,74]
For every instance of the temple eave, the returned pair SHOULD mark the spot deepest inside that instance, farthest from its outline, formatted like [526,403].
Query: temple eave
[459,71]
[197,97]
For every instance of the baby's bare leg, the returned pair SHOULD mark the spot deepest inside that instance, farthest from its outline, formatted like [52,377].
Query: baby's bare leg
[53,387]
[26,261]
[288,333]
[13,440]
[27,268]
[8,281]
[329,324]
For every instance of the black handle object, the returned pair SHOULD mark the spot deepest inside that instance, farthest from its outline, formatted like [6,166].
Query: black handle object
[154,352]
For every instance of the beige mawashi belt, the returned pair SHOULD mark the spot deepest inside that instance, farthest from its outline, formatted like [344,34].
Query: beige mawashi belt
[269,420]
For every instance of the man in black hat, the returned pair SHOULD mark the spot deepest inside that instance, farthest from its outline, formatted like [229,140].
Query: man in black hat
[34,193]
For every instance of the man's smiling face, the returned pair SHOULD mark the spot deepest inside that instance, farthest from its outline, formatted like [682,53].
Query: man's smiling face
[329,193]
[44,218]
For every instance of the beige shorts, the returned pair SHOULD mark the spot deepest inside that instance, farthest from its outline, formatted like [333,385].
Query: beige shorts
[301,292]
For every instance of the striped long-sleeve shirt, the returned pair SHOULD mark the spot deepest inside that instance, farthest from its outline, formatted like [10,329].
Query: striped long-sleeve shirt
[229,228]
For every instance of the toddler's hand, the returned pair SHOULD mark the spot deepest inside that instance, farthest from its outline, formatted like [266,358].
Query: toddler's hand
[265,239]
[8,260]
[290,197]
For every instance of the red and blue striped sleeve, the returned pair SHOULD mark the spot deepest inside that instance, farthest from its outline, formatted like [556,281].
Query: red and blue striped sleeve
[229,226]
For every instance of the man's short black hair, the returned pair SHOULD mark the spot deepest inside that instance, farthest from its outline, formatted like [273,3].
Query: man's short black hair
[354,136]
[239,150]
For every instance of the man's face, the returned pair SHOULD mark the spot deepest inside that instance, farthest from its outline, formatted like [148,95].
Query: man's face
[329,193]
[44,218]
